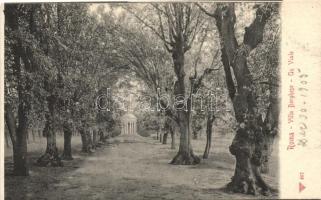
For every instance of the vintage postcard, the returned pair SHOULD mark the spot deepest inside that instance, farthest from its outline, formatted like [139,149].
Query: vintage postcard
[171,100]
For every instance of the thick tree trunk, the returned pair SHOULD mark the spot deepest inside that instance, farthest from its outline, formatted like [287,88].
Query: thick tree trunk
[86,140]
[18,137]
[247,145]
[185,155]
[21,53]
[20,150]
[67,154]
[270,128]
[51,156]
[267,151]
[209,126]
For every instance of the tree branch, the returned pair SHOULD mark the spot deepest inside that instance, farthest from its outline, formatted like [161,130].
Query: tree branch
[149,26]
[205,11]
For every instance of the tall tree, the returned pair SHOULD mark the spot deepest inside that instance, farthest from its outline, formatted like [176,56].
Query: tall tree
[177,26]
[22,61]
[251,135]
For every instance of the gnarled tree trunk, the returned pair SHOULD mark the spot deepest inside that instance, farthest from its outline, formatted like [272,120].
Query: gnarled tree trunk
[247,145]
[270,130]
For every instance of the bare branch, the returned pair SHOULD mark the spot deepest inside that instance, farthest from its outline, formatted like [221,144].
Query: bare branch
[149,26]
[198,82]
[205,11]
[199,53]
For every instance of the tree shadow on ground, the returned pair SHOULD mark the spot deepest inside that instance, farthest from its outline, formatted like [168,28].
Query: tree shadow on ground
[40,178]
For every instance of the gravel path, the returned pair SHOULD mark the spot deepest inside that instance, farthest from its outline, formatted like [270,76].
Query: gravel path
[131,168]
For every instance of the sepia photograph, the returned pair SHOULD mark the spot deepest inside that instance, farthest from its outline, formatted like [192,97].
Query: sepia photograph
[139,101]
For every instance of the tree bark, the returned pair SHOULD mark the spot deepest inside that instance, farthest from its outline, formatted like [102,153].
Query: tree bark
[67,154]
[270,129]
[18,137]
[249,139]
[51,156]
[20,158]
[18,134]
[185,155]
[209,126]
[86,140]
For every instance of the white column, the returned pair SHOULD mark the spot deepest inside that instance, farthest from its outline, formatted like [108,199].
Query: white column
[134,127]
[128,127]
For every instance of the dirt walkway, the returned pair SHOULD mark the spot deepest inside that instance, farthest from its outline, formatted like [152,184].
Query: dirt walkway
[136,168]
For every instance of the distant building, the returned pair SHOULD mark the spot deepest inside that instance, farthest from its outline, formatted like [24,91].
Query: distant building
[128,124]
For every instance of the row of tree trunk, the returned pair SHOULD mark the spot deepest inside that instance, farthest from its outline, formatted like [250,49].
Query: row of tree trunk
[170,129]
[90,141]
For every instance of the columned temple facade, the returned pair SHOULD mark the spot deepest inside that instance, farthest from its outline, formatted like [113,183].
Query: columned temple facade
[128,124]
